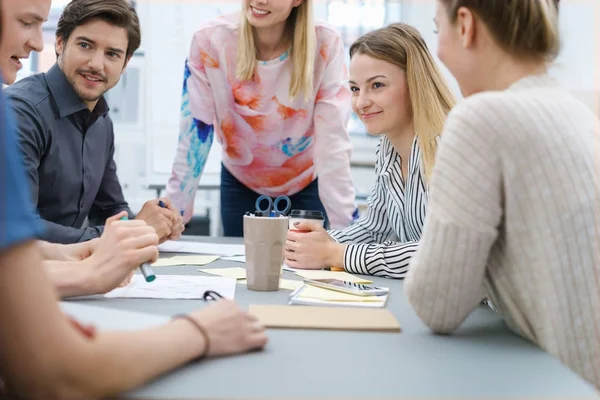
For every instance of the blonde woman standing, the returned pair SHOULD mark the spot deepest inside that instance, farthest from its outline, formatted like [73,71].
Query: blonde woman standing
[271,84]
[515,194]
[399,93]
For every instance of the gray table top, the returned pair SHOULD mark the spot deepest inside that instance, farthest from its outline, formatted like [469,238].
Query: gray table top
[482,359]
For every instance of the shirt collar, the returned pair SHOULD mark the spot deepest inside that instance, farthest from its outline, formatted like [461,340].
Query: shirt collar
[65,97]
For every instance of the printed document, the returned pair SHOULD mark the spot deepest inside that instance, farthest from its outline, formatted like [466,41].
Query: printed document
[175,287]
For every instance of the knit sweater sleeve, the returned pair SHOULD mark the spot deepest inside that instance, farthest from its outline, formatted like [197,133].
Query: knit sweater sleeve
[445,280]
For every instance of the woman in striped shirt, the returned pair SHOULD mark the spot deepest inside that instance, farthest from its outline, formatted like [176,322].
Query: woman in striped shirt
[399,93]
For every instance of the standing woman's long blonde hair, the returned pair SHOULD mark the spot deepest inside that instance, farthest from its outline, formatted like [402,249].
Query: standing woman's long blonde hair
[430,97]
[300,26]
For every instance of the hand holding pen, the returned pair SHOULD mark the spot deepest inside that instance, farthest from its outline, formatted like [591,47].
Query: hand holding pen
[160,214]
[123,246]
[145,267]
[178,226]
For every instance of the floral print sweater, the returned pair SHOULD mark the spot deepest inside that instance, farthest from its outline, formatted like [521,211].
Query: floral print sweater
[271,143]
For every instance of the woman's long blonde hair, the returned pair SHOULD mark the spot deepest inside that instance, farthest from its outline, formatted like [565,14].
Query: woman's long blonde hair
[430,97]
[303,47]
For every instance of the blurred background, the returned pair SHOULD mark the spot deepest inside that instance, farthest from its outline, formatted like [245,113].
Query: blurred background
[145,103]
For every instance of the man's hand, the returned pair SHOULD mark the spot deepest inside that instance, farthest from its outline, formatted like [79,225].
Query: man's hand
[178,227]
[124,245]
[309,246]
[161,219]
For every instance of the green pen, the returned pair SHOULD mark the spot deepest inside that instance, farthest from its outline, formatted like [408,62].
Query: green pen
[145,267]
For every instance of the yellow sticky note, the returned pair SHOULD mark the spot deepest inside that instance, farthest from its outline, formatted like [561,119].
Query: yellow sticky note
[314,292]
[322,274]
[235,273]
[289,284]
[285,284]
[184,260]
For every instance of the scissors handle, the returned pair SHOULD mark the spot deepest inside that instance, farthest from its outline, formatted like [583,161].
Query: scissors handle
[282,211]
[265,212]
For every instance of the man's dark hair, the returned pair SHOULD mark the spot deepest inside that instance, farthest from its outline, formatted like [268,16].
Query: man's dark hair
[115,12]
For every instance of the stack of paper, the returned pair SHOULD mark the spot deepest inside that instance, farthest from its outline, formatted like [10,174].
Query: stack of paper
[322,274]
[313,295]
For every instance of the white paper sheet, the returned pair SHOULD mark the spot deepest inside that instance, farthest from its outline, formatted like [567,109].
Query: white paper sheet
[241,259]
[288,268]
[175,287]
[217,249]
[185,260]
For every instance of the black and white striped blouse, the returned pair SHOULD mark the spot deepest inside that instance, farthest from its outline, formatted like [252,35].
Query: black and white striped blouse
[384,240]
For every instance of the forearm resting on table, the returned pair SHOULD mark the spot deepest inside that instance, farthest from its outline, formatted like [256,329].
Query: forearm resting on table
[44,356]
[113,362]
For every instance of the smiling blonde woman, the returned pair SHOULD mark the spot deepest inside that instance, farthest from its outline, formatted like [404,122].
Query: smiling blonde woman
[399,94]
[271,84]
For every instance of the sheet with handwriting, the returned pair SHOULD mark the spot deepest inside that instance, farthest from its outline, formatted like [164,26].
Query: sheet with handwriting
[175,287]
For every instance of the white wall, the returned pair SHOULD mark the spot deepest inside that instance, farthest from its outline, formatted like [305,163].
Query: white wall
[420,14]
[577,67]
[578,19]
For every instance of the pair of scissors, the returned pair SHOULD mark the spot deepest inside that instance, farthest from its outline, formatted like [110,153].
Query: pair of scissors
[273,208]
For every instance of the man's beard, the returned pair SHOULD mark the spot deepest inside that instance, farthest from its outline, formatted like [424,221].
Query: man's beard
[82,94]
[86,97]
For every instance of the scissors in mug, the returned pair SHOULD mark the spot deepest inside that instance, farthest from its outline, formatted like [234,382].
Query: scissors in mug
[274,208]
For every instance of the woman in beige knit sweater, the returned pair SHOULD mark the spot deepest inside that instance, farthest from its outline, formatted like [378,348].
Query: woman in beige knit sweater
[515,194]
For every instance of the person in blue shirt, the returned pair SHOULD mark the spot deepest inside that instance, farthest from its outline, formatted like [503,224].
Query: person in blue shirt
[67,359]
[17,218]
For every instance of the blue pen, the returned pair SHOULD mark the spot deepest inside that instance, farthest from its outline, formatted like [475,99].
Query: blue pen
[163,205]
[145,267]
